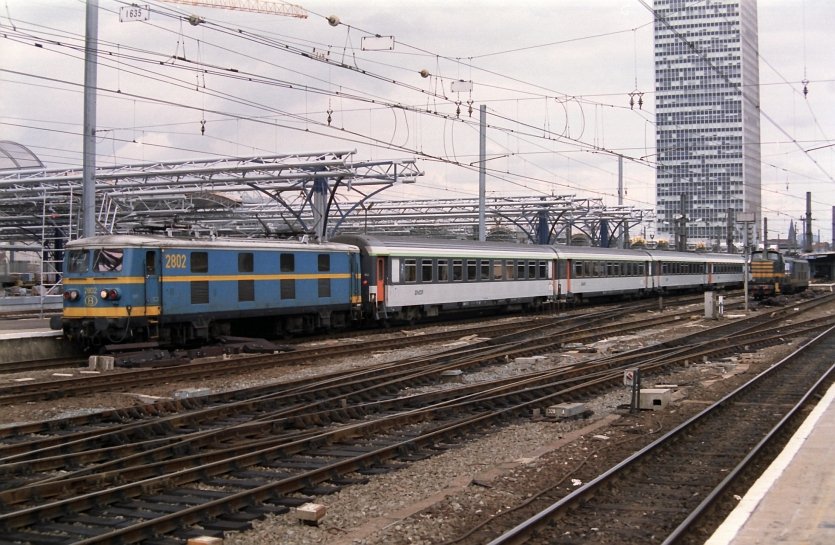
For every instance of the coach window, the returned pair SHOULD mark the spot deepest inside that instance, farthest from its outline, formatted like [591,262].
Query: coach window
[410,270]
[426,270]
[443,270]
[472,270]
[484,270]
[77,262]
[199,262]
[578,269]
[498,269]
[543,269]
[510,270]
[457,270]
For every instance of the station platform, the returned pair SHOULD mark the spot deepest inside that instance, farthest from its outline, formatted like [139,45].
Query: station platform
[27,339]
[793,502]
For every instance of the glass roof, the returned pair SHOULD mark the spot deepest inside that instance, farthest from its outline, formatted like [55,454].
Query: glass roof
[14,156]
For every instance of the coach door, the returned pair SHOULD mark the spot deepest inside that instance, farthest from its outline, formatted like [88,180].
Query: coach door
[381,279]
[153,298]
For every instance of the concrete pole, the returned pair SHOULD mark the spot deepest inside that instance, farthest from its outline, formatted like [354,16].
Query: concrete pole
[482,171]
[89,147]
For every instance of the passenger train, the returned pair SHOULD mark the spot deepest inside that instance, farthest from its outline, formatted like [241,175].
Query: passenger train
[179,291]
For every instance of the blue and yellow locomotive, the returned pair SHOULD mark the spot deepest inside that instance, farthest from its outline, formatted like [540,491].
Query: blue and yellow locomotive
[125,288]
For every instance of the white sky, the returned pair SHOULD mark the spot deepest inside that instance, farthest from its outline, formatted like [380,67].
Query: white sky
[555,77]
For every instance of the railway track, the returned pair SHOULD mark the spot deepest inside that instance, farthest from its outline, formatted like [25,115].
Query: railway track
[124,380]
[668,491]
[223,472]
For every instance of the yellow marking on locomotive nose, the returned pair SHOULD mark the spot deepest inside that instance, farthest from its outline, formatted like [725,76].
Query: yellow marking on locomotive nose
[110,312]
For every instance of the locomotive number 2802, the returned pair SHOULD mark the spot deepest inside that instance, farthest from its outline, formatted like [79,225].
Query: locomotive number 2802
[175,261]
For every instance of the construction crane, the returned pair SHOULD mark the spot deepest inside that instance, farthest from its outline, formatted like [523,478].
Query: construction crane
[255,6]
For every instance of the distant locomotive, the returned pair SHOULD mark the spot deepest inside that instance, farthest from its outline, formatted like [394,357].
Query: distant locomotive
[773,273]
[177,291]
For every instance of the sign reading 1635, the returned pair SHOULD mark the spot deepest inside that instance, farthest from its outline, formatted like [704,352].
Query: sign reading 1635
[134,13]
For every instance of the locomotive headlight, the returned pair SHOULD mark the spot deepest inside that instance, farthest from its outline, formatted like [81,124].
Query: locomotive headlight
[109,295]
[71,295]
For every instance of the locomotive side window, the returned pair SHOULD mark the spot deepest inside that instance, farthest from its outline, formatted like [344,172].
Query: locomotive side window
[77,262]
[199,262]
[324,283]
[287,286]
[246,262]
[287,263]
[443,270]
[199,288]
[246,288]
[410,270]
[324,263]
[107,260]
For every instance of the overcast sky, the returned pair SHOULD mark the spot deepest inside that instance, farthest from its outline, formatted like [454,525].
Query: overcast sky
[555,76]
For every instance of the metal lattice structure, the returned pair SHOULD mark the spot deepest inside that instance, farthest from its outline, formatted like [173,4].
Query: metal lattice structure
[565,219]
[246,196]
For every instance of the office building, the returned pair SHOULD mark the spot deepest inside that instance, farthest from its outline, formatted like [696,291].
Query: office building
[708,120]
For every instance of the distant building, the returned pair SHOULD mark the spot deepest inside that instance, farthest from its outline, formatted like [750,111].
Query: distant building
[707,117]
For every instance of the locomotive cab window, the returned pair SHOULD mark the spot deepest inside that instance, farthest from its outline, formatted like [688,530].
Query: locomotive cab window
[150,263]
[77,261]
[109,260]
